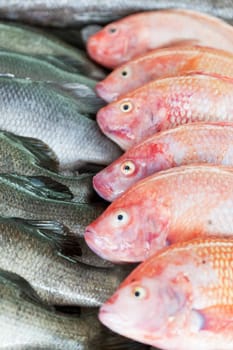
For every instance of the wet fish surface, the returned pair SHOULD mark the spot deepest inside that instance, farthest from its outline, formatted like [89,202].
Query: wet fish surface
[40,110]
[166,103]
[70,12]
[187,286]
[41,253]
[183,145]
[174,205]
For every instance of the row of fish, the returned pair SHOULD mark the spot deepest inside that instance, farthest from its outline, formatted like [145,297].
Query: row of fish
[172,188]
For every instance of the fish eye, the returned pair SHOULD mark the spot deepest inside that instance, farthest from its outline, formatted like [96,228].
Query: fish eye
[125,73]
[112,30]
[120,218]
[128,167]
[139,292]
[126,107]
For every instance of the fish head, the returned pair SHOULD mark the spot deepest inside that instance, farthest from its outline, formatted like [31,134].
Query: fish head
[135,164]
[146,308]
[129,230]
[112,44]
[129,120]
[120,81]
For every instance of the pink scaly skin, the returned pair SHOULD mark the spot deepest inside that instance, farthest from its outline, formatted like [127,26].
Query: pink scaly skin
[136,34]
[173,205]
[161,63]
[187,144]
[166,103]
[180,296]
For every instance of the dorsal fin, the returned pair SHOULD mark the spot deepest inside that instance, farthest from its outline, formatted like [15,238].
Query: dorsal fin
[58,235]
[44,156]
[41,186]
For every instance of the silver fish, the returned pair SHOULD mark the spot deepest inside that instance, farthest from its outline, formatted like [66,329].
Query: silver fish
[42,111]
[73,12]
[34,42]
[40,252]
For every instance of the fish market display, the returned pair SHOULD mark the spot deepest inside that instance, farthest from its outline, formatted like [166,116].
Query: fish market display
[30,41]
[166,103]
[39,199]
[120,41]
[40,110]
[72,13]
[174,205]
[41,252]
[186,144]
[164,62]
[181,296]
[26,156]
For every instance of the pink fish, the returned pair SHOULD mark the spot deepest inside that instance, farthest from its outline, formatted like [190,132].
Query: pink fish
[162,63]
[186,144]
[178,299]
[164,104]
[173,205]
[136,34]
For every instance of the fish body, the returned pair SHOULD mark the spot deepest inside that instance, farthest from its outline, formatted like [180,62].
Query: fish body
[34,42]
[71,13]
[183,295]
[134,35]
[38,199]
[164,62]
[39,110]
[36,251]
[166,103]
[173,205]
[183,145]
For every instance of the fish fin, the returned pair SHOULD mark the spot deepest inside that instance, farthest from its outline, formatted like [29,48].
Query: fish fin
[112,341]
[41,186]
[25,289]
[44,156]
[214,319]
[65,242]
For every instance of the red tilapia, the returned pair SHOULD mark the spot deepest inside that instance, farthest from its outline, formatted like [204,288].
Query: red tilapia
[162,63]
[136,34]
[178,299]
[186,144]
[166,103]
[173,205]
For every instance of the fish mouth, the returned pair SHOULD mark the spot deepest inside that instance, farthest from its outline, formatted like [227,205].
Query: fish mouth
[104,93]
[103,189]
[122,136]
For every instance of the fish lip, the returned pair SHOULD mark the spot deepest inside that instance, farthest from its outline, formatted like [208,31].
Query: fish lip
[104,190]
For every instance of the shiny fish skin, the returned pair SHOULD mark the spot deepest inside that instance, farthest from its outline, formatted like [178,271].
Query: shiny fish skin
[39,110]
[34,42]
[134,35]
[166,103]
[55,279]
[161,63]
[186,144]
[26,156]
[174,205]
[36,326]
[69,12]
[21,197]
[186,287]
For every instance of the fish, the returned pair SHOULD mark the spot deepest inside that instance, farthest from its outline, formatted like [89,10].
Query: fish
[31,157]
[166,103]
[31,41]
[173,205]
[39,198]
[41,110]
[20,65]
[37,325]
[44,253]
[70,13]
[159,63]
[183,145]
[179,296]
[120,41]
